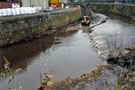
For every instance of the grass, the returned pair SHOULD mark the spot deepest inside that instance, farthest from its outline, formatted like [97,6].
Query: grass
[126,80]
[10,75]
[116,48]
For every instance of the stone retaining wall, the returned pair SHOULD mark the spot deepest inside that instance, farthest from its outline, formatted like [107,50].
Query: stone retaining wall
[126,10]
[16,29]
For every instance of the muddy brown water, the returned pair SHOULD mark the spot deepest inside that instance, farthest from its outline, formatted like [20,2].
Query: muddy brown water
[74,56]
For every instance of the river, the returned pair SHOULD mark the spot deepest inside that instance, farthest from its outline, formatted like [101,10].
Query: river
[113,36]
[74,56]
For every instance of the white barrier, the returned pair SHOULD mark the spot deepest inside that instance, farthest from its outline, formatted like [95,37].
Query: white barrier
[9,12]
[33,10]
[0,13]
[4,12]
[19,11]
[26,10]
[29,10]
[22,11]
[13,12]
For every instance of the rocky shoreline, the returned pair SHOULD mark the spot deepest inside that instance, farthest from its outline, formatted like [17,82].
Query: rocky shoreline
[105,77]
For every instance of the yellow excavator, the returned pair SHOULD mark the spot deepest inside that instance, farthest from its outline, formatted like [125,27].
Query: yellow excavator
[85,20]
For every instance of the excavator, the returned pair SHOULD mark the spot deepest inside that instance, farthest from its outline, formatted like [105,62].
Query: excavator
[86,19]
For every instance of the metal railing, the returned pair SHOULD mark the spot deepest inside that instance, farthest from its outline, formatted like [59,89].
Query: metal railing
[19,11]
[32,10]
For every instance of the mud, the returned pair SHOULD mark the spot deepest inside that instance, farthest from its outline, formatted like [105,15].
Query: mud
[109,77]
[100,79]
[106,79]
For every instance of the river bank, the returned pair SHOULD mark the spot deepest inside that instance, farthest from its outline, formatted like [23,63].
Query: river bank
[116,45]
[73,56]
[125,10]
[24,28]
[69,57]
[108,78]
[105,77]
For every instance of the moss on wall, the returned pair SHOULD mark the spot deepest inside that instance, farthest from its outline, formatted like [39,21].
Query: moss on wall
[126,10]
[18,28]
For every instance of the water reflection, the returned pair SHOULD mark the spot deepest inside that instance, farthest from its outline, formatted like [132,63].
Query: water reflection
[21,55]
[30,57]
[74,55]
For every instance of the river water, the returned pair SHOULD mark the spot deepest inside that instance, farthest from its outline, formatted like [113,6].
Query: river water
[113,36]
[74,56]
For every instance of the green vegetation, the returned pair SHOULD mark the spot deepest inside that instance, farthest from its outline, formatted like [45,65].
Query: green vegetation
[9,75]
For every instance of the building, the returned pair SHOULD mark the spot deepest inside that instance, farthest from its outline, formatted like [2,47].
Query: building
[54,3]
[64,1]
[35,3]
[58,3]
[9,3]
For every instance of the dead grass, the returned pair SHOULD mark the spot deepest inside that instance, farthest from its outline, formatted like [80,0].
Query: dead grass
[72,29]
[126,80]
[84,28]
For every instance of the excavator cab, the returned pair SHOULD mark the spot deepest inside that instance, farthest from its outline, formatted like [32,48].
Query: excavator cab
[85,20]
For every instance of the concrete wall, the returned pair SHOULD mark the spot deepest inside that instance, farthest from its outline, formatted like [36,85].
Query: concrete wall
[16,29]
[64,1]
[35,3]
[124,10]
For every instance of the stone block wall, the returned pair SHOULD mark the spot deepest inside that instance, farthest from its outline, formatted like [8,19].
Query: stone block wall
[125,10]
[15,29]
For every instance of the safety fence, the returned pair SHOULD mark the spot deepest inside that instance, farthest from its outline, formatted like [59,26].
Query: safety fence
[19,11]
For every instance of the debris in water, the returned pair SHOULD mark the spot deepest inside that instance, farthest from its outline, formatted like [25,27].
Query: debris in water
[57,42]
[5,59]
[72,29]
[69,82]
[56,38]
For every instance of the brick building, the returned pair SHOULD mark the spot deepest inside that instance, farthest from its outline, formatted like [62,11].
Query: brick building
[9,3]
